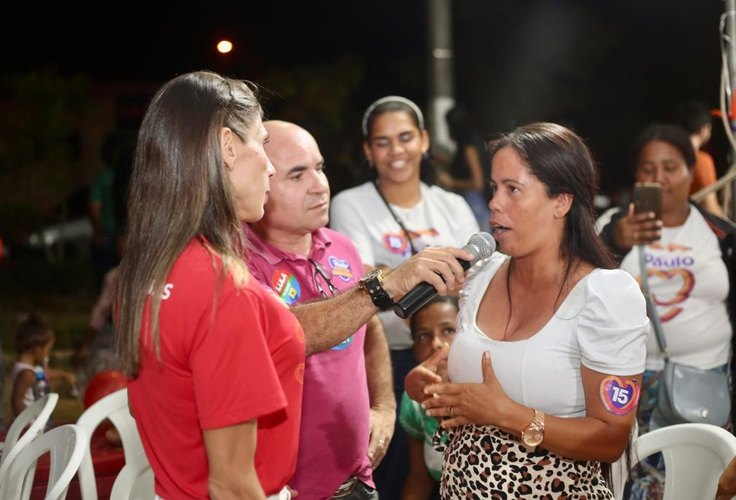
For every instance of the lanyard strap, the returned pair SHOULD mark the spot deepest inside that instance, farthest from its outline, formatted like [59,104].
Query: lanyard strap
[396,218]
[651,308]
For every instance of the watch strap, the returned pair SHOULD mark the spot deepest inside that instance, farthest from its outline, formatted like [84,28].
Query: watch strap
[535,426]
[372,283]
[539,419]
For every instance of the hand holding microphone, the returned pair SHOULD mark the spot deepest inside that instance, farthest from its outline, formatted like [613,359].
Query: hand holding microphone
[480,246]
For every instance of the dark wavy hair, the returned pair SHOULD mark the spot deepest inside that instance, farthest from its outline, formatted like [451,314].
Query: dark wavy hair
[693,115]
[673,135]
[559,158]
[426,170]
[33,331]
[437,299]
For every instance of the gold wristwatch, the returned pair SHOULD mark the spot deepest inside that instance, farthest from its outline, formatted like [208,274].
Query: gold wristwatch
[532,434]
[372,283]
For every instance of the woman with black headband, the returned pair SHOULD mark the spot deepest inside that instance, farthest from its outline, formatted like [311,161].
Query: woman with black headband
[393,217]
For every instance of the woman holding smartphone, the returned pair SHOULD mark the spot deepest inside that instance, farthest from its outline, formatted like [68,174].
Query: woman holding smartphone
[689,256]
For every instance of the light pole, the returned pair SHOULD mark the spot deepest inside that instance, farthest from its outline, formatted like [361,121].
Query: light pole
[441,97]
[728,77]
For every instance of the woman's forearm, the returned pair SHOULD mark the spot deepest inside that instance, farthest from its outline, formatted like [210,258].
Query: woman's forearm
[584,438]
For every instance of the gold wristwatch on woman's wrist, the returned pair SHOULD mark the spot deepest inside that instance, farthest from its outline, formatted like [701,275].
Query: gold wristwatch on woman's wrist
[533,434]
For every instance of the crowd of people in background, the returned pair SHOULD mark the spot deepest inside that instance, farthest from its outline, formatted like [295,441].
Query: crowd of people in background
[252,311]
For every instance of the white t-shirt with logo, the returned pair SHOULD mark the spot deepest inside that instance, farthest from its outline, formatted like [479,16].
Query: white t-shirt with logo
[440,218]
[688,282]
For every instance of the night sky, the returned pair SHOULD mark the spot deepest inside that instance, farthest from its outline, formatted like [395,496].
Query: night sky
[603,67]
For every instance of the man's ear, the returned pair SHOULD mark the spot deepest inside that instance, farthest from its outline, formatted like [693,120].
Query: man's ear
[562,204]
[227,144]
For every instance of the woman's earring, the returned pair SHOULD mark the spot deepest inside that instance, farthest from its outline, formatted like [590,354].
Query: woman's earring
[425,155]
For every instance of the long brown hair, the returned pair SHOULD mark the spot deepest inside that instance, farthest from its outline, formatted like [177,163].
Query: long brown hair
[179,190]
[562,162]
[559,158]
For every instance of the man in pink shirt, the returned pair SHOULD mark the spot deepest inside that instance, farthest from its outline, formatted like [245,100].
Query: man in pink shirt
[348,410]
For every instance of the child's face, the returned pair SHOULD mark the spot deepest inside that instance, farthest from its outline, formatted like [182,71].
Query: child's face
[433,327]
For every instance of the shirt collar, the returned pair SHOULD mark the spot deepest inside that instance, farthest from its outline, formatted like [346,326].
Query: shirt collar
[321,241]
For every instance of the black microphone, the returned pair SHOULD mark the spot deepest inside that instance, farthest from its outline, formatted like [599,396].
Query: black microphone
[481,245]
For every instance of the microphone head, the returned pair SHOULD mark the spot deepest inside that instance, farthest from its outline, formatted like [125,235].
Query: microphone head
[481,245]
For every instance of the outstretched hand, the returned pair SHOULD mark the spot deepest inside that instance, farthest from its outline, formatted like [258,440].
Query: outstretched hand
[469,403]
[430,371]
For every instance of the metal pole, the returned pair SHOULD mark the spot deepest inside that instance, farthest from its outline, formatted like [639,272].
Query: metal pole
[731,58]
[440,71]
[731,33]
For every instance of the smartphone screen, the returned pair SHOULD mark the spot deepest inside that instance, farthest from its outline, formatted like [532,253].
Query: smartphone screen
[648,198]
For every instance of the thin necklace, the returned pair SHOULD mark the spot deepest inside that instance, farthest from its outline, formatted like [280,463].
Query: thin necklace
[396,218]
[508,293]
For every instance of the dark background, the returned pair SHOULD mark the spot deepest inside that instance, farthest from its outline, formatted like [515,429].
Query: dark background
[72,73]
[604,68]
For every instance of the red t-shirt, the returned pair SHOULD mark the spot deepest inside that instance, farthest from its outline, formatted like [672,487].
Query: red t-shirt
[243,361]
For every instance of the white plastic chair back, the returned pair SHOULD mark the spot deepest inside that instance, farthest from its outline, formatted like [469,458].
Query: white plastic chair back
[115,407]
[35,418]
[695,455]
[66,445]
[135,481]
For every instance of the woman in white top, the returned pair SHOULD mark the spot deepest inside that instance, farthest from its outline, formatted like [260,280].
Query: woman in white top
[391,218]
[690,260]
[546,365]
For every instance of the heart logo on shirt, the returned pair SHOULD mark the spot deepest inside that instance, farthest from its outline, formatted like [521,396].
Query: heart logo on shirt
[395,243]
[619,395]
[683,280]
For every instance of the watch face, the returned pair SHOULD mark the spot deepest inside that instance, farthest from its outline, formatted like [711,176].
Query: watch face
[372,275]
[376,273]
[532,436]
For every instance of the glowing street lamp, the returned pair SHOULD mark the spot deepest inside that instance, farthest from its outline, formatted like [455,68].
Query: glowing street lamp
[224,46]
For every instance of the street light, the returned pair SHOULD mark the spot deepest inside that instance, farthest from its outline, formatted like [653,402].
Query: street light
[224,46]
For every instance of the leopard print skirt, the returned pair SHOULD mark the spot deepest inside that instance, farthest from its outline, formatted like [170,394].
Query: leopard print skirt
[485,462]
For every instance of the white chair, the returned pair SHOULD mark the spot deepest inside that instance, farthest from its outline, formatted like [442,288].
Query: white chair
[35,418]
[115,407]
[66,445]
[695,455]
[135,481]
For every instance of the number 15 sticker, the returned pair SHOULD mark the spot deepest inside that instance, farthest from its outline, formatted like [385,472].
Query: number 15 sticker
[619,396]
